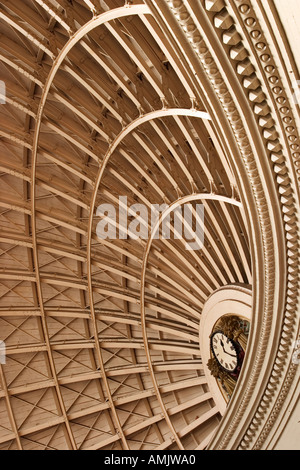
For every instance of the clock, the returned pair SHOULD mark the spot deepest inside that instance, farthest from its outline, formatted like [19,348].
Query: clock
[225,351]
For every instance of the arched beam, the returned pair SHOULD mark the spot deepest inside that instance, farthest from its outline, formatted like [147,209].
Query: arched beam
[163,215]
[101,19]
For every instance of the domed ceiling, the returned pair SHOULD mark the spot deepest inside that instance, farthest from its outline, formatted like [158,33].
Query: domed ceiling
[106,101]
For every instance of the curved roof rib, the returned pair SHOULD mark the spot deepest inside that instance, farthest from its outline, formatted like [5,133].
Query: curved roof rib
[106,101]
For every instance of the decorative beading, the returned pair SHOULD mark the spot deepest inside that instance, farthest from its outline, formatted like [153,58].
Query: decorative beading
[270,105]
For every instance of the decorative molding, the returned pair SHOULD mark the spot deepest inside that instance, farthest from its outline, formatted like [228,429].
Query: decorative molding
[262,100]
[85,121]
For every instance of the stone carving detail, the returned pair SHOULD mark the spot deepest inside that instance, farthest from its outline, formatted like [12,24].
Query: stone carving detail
[262,85]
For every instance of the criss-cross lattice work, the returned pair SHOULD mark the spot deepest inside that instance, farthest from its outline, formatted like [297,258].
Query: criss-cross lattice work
[89,89]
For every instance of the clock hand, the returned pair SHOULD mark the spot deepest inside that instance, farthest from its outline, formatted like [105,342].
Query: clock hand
[232,355]
[226,352]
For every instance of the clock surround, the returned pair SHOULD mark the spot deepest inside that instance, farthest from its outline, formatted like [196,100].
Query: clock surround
[225,350]
[233,300]
[228,341]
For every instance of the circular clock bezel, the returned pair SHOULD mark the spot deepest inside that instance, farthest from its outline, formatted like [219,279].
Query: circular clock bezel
[236,348]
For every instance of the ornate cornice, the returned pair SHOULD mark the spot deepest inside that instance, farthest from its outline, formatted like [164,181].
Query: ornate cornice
[155,101]
[235,28]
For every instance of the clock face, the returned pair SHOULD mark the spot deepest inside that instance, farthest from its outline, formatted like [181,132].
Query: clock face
[224,351]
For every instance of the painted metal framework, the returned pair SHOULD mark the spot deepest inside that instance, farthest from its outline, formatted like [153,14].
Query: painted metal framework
[162,102]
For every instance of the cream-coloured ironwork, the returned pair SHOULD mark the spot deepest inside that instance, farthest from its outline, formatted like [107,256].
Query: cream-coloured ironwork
[160,101]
